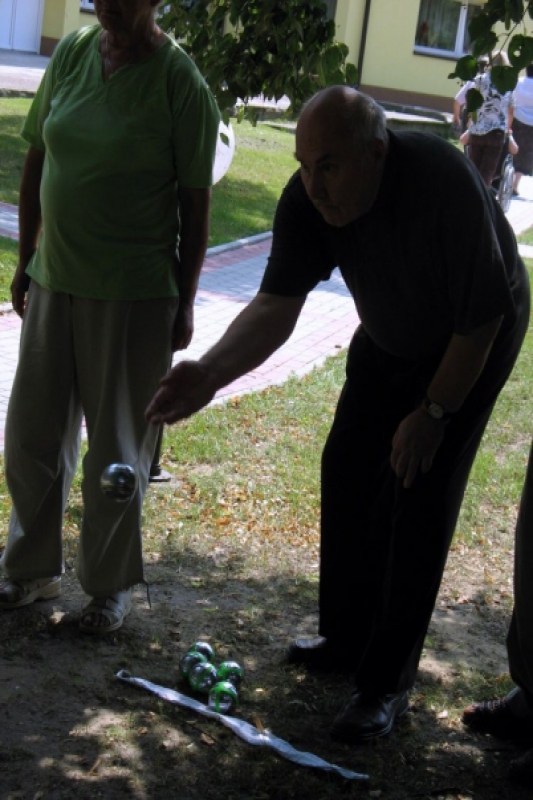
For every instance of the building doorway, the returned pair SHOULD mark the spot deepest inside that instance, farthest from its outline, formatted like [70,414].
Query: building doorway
[20,25]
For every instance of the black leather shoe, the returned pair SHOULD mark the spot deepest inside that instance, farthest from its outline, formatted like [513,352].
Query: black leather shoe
[498,718]
[318,654]
[369,717]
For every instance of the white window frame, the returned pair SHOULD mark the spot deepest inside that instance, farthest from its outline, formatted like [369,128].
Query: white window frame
[459,39]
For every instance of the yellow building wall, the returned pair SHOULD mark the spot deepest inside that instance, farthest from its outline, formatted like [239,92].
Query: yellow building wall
[349,21]
[53,17]
[86,18]
[391,69]
[59,18]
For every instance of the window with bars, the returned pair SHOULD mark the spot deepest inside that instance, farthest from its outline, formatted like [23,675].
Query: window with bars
[442,27]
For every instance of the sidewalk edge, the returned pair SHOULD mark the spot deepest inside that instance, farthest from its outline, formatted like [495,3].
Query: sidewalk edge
[210,252]
[224,248]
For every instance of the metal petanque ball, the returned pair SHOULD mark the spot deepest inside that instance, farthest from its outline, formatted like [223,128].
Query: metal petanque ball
[203,676]
[190,660]
[223,697]
[232,672]
[119,482]
[204,648]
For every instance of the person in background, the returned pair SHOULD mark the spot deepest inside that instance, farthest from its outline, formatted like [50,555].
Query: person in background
[440,331]
[512,146]
[511,717]
[523,127]
[460,113]
[493,122]
[122,136]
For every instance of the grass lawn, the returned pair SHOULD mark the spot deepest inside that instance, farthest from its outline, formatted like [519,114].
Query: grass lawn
[526,237]
[12,147]
[8,263]
[244,201]
[249,474]
[243,204]
[232,548]
[255,463]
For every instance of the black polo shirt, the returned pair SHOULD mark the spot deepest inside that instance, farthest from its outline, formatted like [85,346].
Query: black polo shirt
[434,256]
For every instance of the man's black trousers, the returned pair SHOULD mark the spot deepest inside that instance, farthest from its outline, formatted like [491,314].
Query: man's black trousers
[383,547]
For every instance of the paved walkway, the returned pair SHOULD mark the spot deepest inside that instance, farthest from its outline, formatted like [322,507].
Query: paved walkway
[21,71]
[230,278]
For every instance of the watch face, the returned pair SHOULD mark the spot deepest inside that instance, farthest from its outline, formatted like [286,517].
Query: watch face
[435,411]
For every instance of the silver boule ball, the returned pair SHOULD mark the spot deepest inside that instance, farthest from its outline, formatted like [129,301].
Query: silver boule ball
[202,676]
[223,698]
[204,648]
[119,482]
[231,671]
[189,660]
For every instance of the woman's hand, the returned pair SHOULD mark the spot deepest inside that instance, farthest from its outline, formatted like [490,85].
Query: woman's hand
[414,445]
[19,287]
[183,330]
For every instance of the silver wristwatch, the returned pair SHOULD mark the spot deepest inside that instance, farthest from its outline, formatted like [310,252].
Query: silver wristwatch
[435,410]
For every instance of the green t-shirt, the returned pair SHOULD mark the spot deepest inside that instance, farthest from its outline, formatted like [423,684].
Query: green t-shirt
[116,152]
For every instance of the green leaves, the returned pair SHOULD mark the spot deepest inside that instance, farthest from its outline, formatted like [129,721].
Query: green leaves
[520,51]
[504,78]
[246,48]
[465,69]
[474,100]
[485,40]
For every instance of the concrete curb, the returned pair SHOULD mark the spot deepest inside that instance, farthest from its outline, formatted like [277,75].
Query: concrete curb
[525,250]
[15,93]
[224,248]
[6,308]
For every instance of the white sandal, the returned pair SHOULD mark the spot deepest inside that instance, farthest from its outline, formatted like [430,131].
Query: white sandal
[113,609]
[22,592]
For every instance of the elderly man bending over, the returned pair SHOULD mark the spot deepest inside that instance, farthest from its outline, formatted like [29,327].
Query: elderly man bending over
[441,327]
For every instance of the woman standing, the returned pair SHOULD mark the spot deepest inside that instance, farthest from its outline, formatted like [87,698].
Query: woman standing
[122,136]
[523,127]
[493,122]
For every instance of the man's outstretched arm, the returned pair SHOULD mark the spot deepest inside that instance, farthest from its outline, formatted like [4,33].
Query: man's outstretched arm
[259,330]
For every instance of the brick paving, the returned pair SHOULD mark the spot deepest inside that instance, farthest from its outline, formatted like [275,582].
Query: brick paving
[230,278]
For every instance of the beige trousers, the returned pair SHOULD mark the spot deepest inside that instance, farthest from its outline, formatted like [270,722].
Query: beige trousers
[98,359]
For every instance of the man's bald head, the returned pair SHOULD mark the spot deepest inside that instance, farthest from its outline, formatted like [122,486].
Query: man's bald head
[346,112]
[341,144]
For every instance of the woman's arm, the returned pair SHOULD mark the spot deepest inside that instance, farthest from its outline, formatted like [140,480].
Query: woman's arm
[29,224]
[194,205]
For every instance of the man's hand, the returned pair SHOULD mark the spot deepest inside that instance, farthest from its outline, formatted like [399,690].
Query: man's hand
[414,445]
[257,332]
[184,390]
